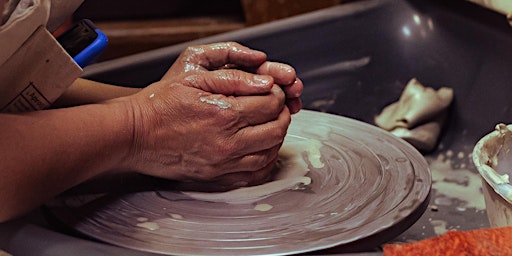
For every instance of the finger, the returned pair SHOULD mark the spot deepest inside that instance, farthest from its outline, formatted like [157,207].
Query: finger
[230,82]
[251,162]
[259,109]
[214,56]
[249,110]
[248,178]
[230,181]
[294,105]
[283,74]
[264,136]
[294,90]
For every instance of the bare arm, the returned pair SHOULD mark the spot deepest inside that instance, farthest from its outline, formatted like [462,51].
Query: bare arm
[84,91]
[173,129]
[44,153]
[194,58]
[170,129]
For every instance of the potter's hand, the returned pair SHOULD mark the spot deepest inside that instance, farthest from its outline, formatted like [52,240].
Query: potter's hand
[231,55]
[184,132]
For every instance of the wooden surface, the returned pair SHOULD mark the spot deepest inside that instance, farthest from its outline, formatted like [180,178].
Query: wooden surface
[134,26]
[258,11]
[128,37]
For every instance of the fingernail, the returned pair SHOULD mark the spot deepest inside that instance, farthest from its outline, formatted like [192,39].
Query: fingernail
[262,80]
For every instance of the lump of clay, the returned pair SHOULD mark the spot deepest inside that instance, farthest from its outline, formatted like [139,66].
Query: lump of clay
[418,116]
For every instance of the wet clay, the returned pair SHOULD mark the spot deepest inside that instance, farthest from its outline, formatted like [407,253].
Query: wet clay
[418,116]
[369,181]
[220,103]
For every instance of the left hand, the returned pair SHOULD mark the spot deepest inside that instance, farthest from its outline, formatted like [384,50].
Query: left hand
[231,55]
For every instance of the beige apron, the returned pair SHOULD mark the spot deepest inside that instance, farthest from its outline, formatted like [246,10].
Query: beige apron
[34,69]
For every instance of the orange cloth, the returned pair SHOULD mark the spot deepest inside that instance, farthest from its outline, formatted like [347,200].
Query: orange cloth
[481,242]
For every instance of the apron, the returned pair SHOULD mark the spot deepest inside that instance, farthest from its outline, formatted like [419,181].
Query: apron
[34,69]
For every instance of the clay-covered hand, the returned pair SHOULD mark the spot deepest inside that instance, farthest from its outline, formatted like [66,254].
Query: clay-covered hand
[182,131]
[231,55]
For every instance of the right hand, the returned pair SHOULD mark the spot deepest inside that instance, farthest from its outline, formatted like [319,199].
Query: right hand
[182,131]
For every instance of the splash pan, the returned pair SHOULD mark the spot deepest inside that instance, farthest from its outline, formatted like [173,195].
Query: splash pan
[367,182]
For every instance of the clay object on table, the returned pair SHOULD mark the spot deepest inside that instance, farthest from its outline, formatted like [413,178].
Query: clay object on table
[418,116]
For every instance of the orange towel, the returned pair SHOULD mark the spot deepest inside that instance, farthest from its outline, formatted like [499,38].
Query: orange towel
[481,242]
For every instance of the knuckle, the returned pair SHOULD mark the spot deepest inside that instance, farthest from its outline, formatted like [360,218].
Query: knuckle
[278,91]
[224,75]
[226,149]
[229,119]
[192,54]
[232,45]
[215,169]
[262,175]
[193,50]
[279,96]
[227,116]
[231,76]
[279,133]
[262,161]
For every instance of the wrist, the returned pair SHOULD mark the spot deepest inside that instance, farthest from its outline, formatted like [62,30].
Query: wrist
[123,142]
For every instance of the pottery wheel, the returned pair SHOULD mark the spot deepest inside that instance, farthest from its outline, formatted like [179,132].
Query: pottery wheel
[370,182]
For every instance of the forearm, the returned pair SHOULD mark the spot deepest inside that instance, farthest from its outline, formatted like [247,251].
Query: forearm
[44,153]
[84,91]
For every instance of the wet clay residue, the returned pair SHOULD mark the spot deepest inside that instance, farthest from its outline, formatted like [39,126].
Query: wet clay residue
[418,116]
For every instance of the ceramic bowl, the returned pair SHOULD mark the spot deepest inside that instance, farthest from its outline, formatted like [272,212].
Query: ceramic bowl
[492,156]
